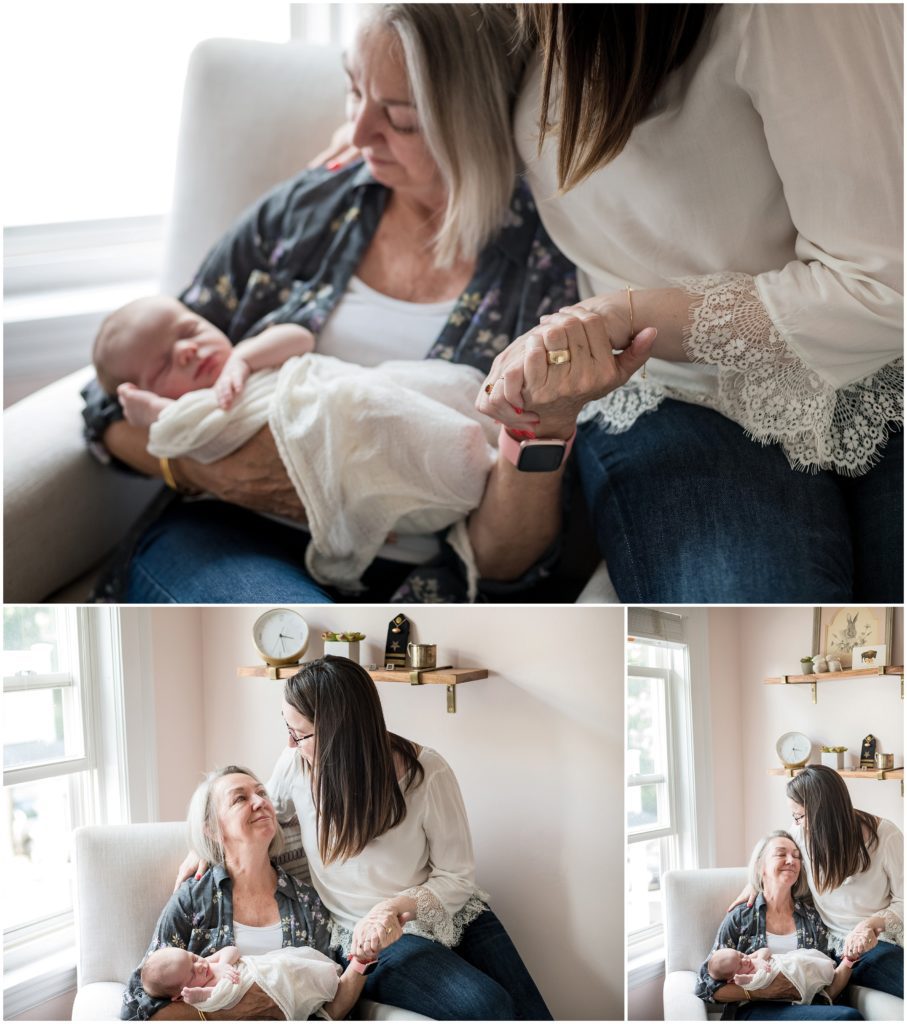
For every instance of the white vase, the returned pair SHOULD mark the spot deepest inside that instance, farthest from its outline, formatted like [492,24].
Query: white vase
[343,649]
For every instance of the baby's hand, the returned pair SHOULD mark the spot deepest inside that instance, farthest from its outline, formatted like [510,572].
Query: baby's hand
[141,408]
[743,979]
[195,995]
[232,380]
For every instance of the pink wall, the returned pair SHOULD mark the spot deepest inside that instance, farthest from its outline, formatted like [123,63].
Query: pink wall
[537,749]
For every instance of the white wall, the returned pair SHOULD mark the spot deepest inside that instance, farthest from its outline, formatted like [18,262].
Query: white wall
[537,749]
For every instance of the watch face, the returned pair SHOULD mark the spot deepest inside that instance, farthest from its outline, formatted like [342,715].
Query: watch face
[541,456]
[280,636]
[794,749]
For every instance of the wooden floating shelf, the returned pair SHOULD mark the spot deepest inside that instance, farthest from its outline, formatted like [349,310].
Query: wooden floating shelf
[814,678]
[449,677]
[882,774]
[847,673]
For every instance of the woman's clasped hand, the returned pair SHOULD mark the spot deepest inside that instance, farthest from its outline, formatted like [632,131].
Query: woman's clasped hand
[546,376]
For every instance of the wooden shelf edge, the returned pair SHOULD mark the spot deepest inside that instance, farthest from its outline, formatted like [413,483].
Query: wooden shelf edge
[847,673]
[445,677]
[893,774]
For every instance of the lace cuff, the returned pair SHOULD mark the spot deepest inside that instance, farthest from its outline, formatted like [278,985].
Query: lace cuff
[894,927]
[762,385]
[777,398]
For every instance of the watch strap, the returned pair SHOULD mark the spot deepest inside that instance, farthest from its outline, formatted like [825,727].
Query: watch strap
[512,449]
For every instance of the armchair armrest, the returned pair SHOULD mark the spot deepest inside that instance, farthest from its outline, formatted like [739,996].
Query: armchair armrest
[680,999]
[62,510]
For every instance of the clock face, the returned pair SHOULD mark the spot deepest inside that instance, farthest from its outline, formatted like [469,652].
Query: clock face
[280,636]
[794,749]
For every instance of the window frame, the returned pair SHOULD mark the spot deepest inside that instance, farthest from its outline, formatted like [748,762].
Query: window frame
[679,840]
[114,660]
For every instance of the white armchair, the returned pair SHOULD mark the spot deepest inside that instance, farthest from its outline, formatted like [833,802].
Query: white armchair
[695,903]
[123,877]
[253,115]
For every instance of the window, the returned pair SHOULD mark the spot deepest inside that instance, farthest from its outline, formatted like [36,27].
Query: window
[660,799]
[67,713]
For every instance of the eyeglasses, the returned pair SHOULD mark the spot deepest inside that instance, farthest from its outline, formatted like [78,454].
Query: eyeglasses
[298,740]
[798,818]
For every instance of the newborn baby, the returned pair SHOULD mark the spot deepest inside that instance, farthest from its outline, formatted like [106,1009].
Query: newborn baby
[154,350]
[301,981]
[396,449]
[809,970]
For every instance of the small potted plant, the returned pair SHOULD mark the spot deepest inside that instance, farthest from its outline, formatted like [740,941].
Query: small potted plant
[344,645]
[806,665]
[833,757]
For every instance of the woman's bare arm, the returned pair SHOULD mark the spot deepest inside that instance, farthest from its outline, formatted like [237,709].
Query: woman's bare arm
[253,476]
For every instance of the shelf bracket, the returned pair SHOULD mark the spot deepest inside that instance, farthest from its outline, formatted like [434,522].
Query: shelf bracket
[451,698]
[814,686]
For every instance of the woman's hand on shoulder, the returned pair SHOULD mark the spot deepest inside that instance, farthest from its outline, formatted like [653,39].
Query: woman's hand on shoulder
[191,865]
[524,391]
[746,895]
[340,151]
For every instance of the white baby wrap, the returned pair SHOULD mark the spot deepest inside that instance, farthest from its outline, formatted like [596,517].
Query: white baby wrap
[808,969]
[299,980]
[370,450]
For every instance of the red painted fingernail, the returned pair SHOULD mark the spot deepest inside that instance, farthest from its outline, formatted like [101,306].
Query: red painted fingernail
[519,412]
[334,165]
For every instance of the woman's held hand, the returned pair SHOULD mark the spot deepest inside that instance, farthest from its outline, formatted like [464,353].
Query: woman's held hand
[524,391]
[861,940]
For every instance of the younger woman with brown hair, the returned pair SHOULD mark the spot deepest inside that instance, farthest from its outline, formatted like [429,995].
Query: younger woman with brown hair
[854,862]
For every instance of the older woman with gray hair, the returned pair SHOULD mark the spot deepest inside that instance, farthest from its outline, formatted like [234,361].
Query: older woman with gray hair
[781,919]
[429,247]
[243,899]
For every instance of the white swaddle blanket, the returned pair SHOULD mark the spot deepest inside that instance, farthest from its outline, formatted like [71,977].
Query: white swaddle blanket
[370,450]
[808,969]
[298,978]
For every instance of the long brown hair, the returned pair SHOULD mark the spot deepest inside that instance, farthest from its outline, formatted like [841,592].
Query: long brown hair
[354,779]
[834,834]
[611,60]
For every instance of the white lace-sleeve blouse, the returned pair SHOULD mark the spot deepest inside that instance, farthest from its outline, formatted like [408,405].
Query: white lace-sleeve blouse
[879,890]
[427,856]
[767,182]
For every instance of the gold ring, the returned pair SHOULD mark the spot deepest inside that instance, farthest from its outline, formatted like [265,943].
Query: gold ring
[558,355]
[490,387]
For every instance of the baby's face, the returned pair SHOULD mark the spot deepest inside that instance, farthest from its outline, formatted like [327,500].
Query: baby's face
[171,350]
[725,963]
[192,971]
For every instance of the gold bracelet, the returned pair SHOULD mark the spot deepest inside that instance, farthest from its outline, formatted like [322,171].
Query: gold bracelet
[167,474]
[644,375]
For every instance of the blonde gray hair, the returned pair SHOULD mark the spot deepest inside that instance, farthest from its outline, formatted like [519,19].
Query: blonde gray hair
[757,861]
[204,826]
[464,67]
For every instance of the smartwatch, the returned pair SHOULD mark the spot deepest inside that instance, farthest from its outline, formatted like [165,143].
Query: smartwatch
[361,966]
[541,455]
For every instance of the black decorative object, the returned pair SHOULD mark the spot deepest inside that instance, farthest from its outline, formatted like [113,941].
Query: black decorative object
[868,752]
[397,639]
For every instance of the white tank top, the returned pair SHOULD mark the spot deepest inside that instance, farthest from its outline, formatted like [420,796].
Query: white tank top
[251,941]
[368,328]
[781,943]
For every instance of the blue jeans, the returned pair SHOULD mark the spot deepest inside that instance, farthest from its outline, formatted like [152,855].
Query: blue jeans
[481,979]
[881,968]
[208,552]
[686,509]
[768,1010]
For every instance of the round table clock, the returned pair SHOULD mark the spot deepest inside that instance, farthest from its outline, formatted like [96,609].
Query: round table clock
[281,636]
[794,749]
